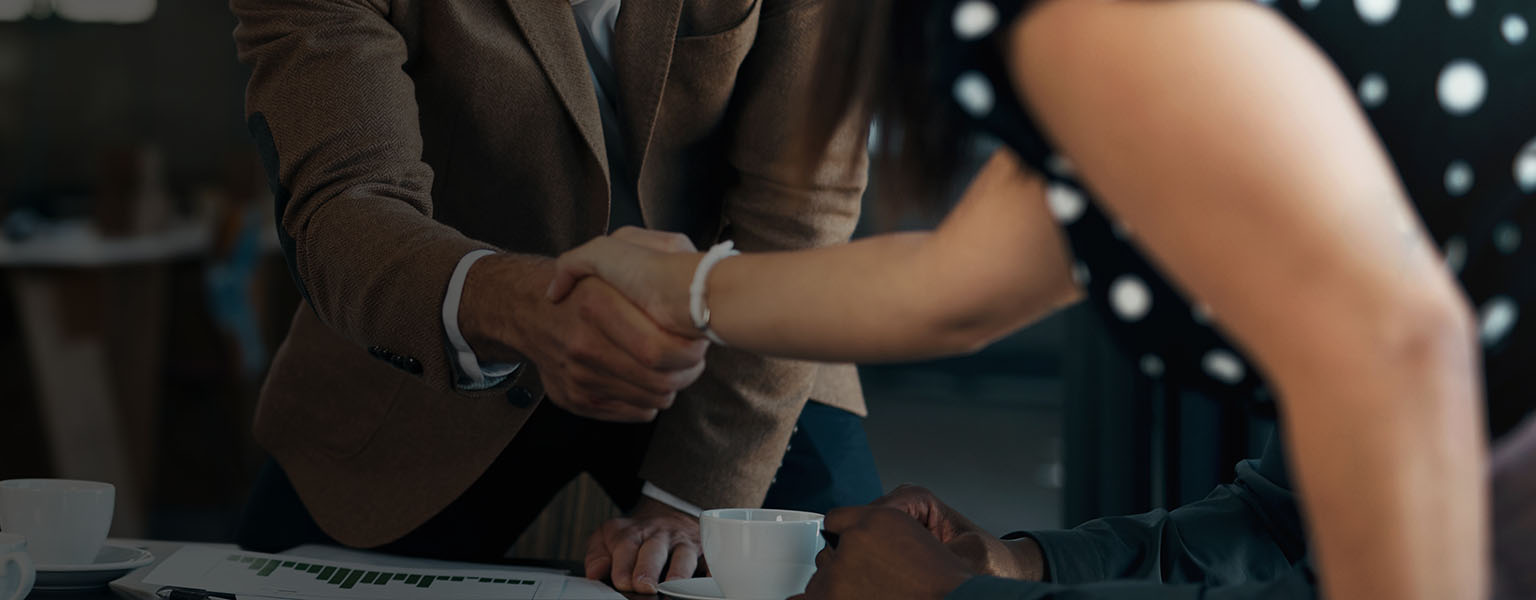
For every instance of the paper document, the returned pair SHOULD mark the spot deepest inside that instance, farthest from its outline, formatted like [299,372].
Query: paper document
[278,576]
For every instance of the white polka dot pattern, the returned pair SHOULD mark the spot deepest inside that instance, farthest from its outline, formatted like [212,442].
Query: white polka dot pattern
[1497,318]
[1462,80]
[1525,168]
[1130,298]
[974,19]
[1456,253]
[1060,165]
[1515,29]
[1376,12]
[1066,203]
[1202,313]
[1462,87]
[1373,90]
[1223,366]
[1506,237]
[1458,178]
[975,94]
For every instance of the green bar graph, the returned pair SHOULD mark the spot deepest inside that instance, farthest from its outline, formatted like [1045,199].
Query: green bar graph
[347,579]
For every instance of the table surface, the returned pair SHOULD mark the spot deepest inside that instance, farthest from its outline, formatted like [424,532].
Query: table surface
[163,549]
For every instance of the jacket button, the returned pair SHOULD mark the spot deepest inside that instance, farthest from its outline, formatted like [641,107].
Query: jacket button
[520,397]
[378,352]
[411,365]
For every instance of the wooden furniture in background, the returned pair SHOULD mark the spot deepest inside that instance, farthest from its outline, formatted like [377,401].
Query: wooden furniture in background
[561,531]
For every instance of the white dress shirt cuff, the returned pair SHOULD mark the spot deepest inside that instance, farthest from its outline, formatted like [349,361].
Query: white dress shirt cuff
[661,495]
[471,373]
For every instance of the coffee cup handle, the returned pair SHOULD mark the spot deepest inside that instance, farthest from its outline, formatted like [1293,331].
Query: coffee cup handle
[23,561]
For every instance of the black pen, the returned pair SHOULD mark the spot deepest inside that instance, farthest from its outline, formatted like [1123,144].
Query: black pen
[180,593]
[831,538]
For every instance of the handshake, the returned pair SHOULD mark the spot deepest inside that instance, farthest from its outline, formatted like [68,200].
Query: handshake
[607,324]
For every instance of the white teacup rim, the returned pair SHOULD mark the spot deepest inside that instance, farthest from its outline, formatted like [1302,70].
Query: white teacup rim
[56,485]
[788,516]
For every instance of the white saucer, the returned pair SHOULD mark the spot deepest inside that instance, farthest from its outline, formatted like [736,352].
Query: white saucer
[698,588]
[113,562]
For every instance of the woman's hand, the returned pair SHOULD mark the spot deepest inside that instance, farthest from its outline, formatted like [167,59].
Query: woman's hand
[982,552]
[652,268]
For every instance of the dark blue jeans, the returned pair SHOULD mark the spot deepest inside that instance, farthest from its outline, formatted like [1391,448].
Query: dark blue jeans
[828,465]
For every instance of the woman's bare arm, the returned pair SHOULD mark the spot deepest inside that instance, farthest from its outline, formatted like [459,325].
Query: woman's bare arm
[1237,157]
[996,263]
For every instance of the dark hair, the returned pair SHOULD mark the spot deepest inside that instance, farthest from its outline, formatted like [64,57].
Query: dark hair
[876,64]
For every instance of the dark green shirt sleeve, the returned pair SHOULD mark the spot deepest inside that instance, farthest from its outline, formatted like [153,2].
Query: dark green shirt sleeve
[1296,584]
[1242,532]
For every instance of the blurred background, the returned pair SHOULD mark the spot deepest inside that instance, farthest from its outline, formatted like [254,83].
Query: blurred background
[142,294]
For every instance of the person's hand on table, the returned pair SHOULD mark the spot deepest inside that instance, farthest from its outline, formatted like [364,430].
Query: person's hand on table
[982,552]
[651,268]
[883,553]
[598,355]
[634,552]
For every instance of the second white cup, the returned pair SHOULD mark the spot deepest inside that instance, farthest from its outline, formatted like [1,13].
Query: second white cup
[65,521]
[760,554]
[16,571]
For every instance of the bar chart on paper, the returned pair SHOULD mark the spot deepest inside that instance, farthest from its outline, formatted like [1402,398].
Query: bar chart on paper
[248,573]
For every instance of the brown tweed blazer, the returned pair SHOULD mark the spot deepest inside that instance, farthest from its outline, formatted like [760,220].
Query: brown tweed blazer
[401,134]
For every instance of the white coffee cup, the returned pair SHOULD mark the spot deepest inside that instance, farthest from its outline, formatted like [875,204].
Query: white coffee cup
[760,554]
[65,521]
[16,571]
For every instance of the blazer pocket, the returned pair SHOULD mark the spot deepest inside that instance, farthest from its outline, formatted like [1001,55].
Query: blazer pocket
[726,40]
[702,76]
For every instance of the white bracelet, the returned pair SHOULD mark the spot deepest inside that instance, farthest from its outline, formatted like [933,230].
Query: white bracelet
[696,308]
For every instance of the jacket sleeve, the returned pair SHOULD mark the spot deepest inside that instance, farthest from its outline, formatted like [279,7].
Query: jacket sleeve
[723,440]
[1295,584]
[334,117]
[1243,541]
[1249,530]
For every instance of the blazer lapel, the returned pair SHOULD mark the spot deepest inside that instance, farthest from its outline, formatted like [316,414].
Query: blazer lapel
[550,29]
[642,53]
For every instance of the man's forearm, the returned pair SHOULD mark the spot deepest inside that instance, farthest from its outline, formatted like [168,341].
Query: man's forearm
[497,289]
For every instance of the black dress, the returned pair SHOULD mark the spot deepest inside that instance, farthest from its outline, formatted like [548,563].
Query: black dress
[1450,88]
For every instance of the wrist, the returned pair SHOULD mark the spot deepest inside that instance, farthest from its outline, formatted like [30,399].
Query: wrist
[502,293]
[651,507]
[677,297]
[1028,557]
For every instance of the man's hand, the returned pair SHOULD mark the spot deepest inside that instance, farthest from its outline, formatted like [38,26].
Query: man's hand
[598,355]
[883,553]
[632,551]
[983,553]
